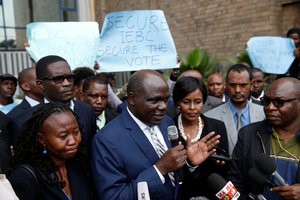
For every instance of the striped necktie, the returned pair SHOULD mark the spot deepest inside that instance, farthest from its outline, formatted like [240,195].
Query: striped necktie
[160,150]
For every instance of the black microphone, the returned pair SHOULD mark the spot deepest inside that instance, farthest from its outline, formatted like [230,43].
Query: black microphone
[260,178]
[267,165]
[174,139]
[221,189]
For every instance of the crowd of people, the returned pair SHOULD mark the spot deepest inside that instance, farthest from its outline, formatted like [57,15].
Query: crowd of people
[73,137]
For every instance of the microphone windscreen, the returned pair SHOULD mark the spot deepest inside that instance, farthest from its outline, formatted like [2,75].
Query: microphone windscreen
[215,182]
[265,163]
[257,176]
[143,191]
[172,132]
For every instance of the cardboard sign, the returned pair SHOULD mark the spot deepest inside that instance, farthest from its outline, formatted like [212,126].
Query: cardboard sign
[271,54]
[134,40]
[74,41]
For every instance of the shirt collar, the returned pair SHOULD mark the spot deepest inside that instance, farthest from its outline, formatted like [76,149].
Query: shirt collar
[141,124]
[234,110]
[31,101]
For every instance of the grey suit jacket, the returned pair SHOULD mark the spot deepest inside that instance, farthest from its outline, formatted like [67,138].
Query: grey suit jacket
[223,113]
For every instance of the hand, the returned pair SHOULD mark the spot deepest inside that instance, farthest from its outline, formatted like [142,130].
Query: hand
[198,152]
[172,160]
[288,192]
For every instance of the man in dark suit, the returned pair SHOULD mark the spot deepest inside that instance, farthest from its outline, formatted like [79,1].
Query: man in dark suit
[128,150]
[33,94]
[95,93]
[55,79]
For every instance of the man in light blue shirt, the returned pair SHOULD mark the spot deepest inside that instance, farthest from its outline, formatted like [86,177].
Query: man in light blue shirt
[238,84]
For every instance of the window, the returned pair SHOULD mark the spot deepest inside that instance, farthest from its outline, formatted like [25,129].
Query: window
[15,15]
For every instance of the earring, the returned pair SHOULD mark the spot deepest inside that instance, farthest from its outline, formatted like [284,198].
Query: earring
[45,150]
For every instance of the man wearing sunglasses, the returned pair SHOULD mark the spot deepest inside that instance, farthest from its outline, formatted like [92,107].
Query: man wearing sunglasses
[55,78]
[277,136]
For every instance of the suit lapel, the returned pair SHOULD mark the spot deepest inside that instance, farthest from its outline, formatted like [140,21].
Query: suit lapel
[139,137]
[227,118]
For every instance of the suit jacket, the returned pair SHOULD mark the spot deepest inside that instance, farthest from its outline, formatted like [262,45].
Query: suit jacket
[26,187]
[19,109]
[84,111]
[223,113]
[5,153]
[110,115]
[122,156]
[210,103]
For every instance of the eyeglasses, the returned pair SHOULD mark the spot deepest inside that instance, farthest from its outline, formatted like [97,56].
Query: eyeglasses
[276,102]
[60,79]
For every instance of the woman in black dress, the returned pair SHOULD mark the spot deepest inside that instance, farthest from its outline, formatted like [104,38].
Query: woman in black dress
[189,95]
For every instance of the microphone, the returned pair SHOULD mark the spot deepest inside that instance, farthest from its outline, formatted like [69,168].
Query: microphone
[267,165]
[259,177]
[222,190]
[174,139]
[173,135]
[143,192]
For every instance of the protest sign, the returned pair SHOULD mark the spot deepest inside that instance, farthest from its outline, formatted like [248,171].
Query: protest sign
[134,40]
[74,41]
[271,54]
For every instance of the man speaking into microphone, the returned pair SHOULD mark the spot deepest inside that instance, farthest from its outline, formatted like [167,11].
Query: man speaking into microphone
[134,147]
[277,136]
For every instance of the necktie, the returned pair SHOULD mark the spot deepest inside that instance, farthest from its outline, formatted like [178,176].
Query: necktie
[160,150]
[239,123]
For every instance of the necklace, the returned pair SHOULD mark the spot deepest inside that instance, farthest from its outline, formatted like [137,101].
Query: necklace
[180,127]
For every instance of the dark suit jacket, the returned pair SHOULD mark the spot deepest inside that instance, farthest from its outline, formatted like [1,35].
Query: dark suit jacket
[110,115]
[195,183]
[19,109]
[122,156]
[84,111]
[26,188]
[5,152]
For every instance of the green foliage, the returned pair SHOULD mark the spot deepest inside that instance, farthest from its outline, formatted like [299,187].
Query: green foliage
[199,60]
[242,58]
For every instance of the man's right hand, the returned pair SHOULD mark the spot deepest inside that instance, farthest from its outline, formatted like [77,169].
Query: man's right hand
[172,160]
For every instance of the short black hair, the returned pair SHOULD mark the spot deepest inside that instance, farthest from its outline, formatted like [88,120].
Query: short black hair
[239,68]
[43,63]
[81,74]
[93,79]
[293,31]
[187,85]
[7,76]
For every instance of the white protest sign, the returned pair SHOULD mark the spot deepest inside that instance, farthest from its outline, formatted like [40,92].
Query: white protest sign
[271,54]
[74,41]
[134,40]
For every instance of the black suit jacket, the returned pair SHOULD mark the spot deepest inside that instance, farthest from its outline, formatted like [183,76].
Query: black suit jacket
[25,185]
[5,152]
[110,115]
[19,109]
[84,111]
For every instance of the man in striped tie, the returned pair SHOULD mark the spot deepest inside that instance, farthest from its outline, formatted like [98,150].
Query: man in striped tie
[135,147]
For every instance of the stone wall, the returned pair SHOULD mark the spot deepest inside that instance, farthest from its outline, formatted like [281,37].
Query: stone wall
[221,27]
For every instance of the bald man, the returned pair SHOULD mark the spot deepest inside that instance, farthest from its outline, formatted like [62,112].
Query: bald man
[216,86]
[276,136]
[134,147]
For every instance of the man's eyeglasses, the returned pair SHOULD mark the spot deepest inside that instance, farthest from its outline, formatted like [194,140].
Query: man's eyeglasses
[60,79]
[276,102]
